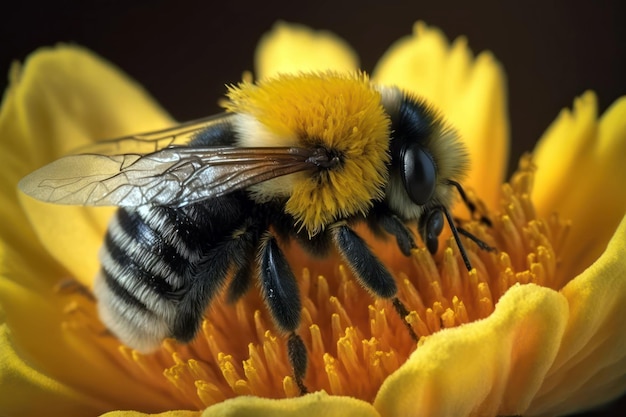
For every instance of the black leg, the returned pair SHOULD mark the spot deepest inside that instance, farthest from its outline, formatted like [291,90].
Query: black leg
[282,296]
[298,359]
[241,281]
[243,262]
[482,245]
[403,312]
[370,272]
[207,278]
[394,226]
[457,238]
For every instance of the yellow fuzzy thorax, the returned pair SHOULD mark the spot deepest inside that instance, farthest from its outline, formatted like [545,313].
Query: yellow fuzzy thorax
[341,113]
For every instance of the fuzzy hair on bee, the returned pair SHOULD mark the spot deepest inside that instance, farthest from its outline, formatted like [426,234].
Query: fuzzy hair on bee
[206,205]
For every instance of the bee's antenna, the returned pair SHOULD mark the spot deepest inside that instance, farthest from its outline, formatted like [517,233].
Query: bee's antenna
[457,231]
[469,204]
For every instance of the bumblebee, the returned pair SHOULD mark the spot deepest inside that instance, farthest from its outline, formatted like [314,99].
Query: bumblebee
[206,205]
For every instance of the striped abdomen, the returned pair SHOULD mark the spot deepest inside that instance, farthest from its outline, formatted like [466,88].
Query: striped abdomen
[150,261]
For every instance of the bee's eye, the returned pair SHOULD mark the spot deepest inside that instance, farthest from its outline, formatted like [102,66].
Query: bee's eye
[419,173]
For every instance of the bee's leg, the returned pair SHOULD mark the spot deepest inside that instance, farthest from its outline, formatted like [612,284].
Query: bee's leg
[243,261]
[368,269]
[241,280]
[207,278]
[383,222]
[482,245]
[282,296]
[394,226]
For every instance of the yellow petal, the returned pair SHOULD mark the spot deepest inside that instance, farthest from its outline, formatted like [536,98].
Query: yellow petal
[590,368]
[72,235]
[42,336]
[581,175]
[315,404]
[64,98]
[490,367]
[61,99]
[470,93]
[290,48]
[27,392]
[174,413]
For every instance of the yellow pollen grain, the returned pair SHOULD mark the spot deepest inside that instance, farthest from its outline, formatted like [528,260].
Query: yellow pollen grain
[228,368]
[255,378]
[432,321]
[378,322]
[307,316]
[259,326]
[417,324]
[290,388]
[346,352]
[448,318]
[208,393]
[344,318]
[460,311]
[373,361]
[178,376]
[334,379]
[317,343]
[322,291]
[197,369]
[336,327]
[409,293]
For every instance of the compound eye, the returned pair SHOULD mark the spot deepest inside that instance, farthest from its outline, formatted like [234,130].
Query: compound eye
[419,174]
[431,228]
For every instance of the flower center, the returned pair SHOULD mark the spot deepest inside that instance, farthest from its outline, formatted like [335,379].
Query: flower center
[353,340]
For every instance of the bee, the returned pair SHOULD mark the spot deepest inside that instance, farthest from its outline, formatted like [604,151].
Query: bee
[206,205]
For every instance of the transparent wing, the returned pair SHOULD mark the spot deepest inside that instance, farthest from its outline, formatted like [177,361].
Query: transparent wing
[173,176]
[145,143]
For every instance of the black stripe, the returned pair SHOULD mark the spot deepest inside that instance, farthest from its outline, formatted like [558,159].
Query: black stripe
[151,241]
[121,292]
[134,270]
[187,229]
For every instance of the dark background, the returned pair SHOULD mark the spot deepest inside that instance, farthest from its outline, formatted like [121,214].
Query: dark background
[184,52]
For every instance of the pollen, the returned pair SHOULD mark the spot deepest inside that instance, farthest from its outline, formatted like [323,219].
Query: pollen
[354,341]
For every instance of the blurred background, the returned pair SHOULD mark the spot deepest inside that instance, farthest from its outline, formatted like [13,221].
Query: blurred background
[185,52]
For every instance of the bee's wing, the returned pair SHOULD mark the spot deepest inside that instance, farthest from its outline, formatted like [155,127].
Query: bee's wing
[173,176]
[149,142]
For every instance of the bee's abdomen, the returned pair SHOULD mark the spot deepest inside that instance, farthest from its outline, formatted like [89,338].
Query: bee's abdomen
[147,261]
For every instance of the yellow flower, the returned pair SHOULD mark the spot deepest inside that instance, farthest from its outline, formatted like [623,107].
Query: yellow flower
[536,329]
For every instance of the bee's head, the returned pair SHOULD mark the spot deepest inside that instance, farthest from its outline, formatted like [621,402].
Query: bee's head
[426,156]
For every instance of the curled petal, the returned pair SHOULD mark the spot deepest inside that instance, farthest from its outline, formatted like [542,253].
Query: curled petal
[469,91]
[291,48]
[590,368]
[490,367]
[63,98]
[581,175]
[20,380]
[315,404]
